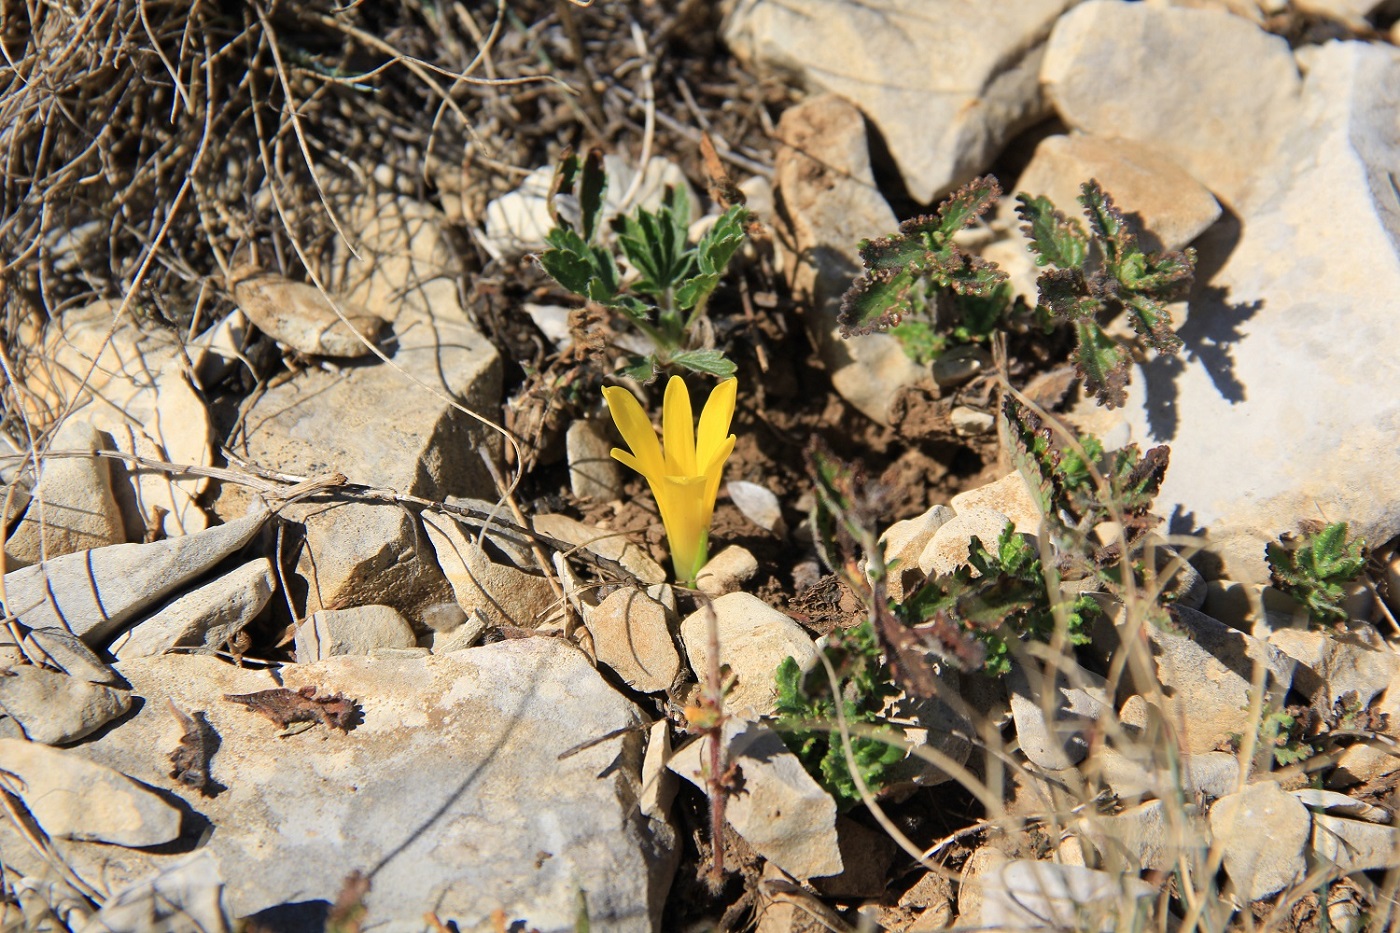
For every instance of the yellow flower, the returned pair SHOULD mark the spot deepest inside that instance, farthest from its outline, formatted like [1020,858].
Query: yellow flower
[685,478]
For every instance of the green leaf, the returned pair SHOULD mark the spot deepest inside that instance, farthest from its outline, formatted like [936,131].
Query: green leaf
[1315,568]
[1055,239]
[1102,363]
[964,206]
[640,368]
[1108,225]
[592,185]
[569,269]
[710,362]
[919,341]
[1153,322]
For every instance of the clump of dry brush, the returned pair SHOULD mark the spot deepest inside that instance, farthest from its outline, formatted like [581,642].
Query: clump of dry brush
[147,145]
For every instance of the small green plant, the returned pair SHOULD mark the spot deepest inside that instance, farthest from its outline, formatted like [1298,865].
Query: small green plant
[806,700]
[998,597]
[905,274]
[1097,276]
[1283,734]
[667,297]
[1314,569]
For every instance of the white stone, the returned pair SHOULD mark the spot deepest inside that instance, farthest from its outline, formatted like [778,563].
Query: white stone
[609,545]
[1261,863]
[1205,89]
[1304,278]
[1143,837]
[299,316]
[593,473]
[138,394]
[451,788]
[1054,732]
[1135,774]
[186,897]
[54,708]
[1332,665]
[754,638]
[95,593]
[1021,895]
[631,636]
[1364,762]
[951,543]
[517,222]
[1353,845]
[500,592]
[1155,193]
[1329,801]
[726,572]
[947,84]
[823,173]
[73,508]
[970,422]
[1009,496]
[72,797]
[61,649]
[904,541]
[758,503]
[356,631]
[782,812]
[208,617]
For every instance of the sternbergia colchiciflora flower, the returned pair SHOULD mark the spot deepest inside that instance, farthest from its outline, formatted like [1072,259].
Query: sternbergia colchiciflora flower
[684,467]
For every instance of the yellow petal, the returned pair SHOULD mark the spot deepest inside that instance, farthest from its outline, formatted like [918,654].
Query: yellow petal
[636,430]
[678,428]
[714,422]
[714,472]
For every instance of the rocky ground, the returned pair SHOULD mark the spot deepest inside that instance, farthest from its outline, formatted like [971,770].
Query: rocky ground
[327,608]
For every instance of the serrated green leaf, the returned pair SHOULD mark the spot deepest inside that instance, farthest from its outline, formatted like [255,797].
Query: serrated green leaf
[710,362]
[1055,239]
[694,290]
[570,270]
[1153,322]
[721,241]
[562,185]
[1107,223]
[640,368]
[1101,362]
[875,301]
[964,206]
[1064,295]
[896,252]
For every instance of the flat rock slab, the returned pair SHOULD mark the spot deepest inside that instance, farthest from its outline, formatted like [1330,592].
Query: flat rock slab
[1291,345]
[947,83]
[94,594]
[449,792]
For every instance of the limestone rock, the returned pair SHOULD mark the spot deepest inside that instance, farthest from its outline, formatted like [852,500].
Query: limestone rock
[73,797]
[54,708]
[376,426]
[905,540]
[1008,496]
[593,473]
[758,503]
[1363,762]
[95,593]
[754,638]
[1329,801]
[1331,665]
[949,547]
[1353,845]
[139,394]
[1132,774]
[61,649]
[1023,894]
[73,508]
[1141,836]
[609,545]
[209,617]
[631,636]
[1153,191]
[438,789]
[1206,89]
[299,316]
[823,173]
[1054,732]
[726,572]
[187,897]
[1260,864]
[357,631]
[1208,676]
[783,813]
[1322,202]
[499,592]
[946,84]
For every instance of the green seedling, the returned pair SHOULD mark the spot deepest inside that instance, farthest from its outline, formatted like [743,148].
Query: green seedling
[1314,569]
[906,273]
[806,707]
[998,597]
[667,297]
[1095,277]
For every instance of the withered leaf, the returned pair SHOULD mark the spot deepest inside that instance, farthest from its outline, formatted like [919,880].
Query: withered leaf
[191,758]
[285,707]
